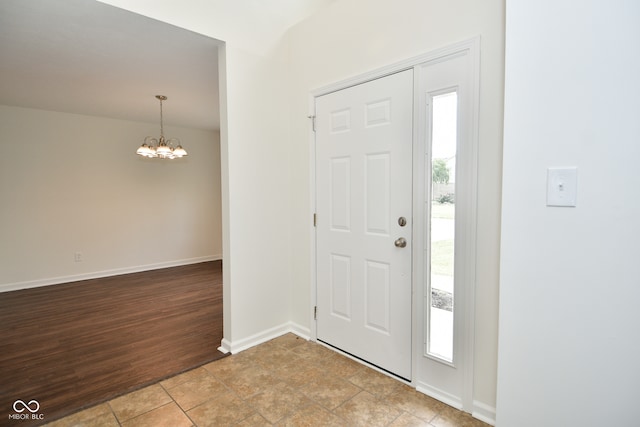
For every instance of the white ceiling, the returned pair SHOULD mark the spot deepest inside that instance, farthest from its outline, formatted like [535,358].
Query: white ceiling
[86,57]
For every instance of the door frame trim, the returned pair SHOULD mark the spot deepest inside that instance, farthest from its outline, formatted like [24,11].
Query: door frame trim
[467,47]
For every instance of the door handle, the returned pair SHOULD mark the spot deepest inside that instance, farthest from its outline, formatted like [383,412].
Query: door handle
[400,242]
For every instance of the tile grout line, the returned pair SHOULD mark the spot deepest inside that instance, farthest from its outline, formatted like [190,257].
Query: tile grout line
[166,390]
[113,412]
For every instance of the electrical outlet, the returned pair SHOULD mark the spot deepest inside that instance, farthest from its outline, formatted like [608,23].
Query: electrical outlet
[77,257]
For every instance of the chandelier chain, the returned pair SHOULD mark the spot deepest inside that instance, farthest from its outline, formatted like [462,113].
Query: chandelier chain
[161,126]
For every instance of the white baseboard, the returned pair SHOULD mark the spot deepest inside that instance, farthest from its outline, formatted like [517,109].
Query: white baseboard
[484,412]
[300,331]
[233,347]
[480,410]
[225,346]
[440,395]
[6,287]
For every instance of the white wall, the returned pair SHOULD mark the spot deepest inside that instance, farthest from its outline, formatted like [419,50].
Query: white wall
[569,318]
[72,183]
[355,36]
[258,201]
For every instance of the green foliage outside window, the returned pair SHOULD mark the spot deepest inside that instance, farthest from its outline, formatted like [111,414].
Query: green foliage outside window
[440,171]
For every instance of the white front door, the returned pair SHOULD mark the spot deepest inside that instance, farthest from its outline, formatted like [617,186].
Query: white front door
[364,226]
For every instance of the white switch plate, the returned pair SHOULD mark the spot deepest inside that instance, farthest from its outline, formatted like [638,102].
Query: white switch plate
[562,186]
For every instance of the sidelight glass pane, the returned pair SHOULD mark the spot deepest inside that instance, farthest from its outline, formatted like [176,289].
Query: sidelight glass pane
[440,295]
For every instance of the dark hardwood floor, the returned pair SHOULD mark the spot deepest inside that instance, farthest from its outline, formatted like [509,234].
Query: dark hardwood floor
[73,345]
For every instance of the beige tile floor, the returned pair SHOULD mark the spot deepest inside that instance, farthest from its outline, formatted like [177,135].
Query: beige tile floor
[285,382]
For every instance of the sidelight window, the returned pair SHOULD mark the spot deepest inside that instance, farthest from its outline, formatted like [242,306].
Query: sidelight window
[440,295]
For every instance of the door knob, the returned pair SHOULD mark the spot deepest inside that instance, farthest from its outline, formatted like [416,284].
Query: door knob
[400,243]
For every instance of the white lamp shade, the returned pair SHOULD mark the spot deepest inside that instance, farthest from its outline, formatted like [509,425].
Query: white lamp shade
[145,150]
[163,150]
[179,151]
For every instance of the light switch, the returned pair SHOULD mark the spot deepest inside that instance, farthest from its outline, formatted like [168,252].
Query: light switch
[562,186]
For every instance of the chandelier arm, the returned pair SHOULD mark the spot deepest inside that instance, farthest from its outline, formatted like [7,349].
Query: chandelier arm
[151,140]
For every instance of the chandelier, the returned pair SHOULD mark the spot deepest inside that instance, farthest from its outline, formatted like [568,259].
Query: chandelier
[161,148]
